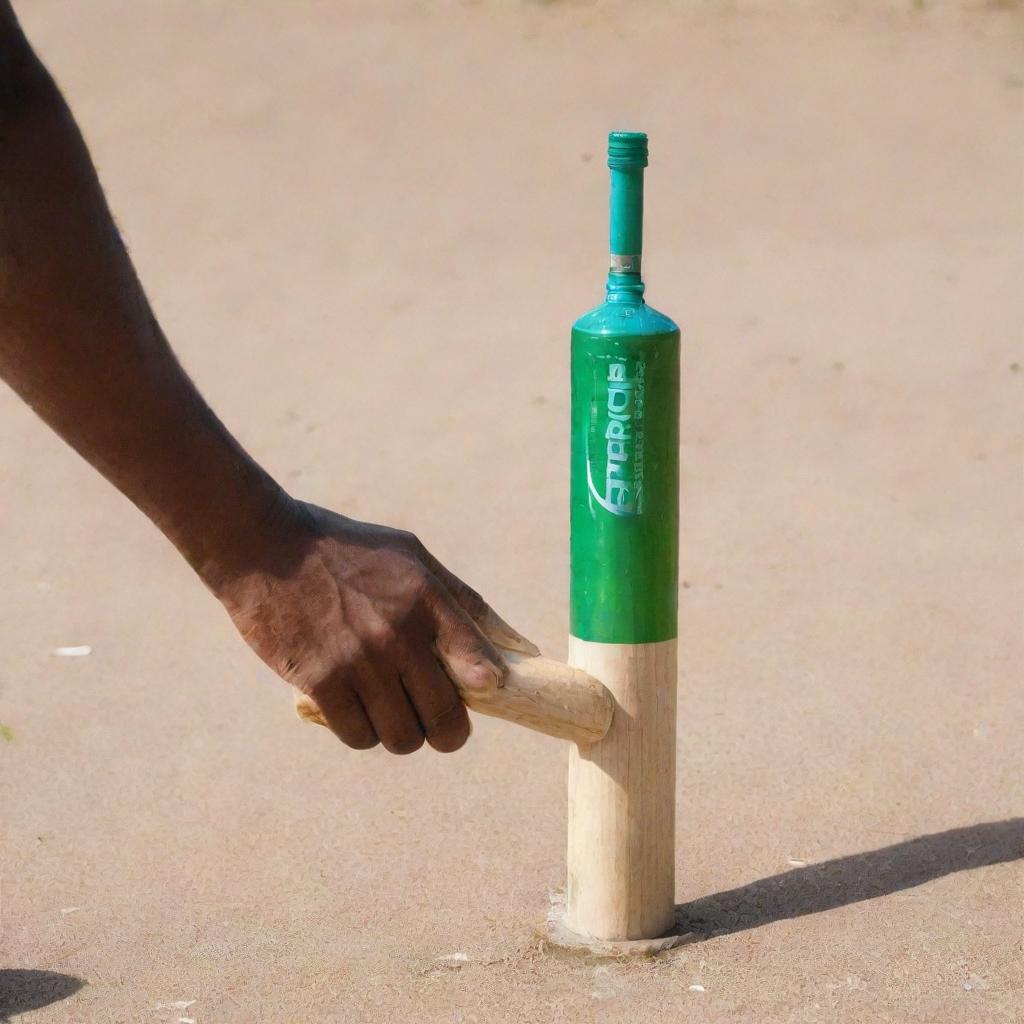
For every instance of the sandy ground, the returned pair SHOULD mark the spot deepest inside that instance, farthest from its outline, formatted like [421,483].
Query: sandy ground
[367,229]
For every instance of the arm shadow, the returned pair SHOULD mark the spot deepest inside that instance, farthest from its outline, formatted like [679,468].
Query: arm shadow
[860,876]
[22,990]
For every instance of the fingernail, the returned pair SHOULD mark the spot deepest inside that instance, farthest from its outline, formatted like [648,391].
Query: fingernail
[499,632]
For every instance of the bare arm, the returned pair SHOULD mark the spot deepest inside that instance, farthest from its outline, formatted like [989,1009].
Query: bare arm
[359,617]
[79,343]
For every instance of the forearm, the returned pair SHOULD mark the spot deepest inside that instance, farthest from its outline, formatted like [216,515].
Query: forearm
[361,619]
[79,343]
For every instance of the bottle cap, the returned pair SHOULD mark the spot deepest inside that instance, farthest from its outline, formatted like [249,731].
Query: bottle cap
[627,150]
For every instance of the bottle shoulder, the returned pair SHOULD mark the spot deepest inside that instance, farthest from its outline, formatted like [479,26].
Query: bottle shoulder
[612,318]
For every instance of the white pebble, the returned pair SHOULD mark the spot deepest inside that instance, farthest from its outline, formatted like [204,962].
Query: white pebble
[793,862]
[696,988]
[72,652]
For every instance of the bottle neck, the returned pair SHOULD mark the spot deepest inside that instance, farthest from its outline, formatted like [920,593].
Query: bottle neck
[626,234]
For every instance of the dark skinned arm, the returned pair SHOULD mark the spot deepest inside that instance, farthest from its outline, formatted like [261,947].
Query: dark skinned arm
[360,618]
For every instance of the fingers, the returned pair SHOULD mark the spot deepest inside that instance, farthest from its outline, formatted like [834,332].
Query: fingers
[499,632]
[341,710]
[426,703]
[390,711]
[438,706]
[493,626]
[469,658]
[404,640]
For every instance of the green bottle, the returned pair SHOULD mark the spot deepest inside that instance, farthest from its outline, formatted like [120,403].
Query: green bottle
[624,491]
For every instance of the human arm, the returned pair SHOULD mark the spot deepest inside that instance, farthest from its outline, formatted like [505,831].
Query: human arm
[360,618]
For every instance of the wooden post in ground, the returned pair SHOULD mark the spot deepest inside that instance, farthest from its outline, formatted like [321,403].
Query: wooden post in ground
[623,596]
[621,854]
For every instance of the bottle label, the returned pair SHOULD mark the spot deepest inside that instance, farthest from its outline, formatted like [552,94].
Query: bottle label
[615,440]
[620,264]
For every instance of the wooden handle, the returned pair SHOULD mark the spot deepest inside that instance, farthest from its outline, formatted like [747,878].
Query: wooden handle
[549,696]
[540,693]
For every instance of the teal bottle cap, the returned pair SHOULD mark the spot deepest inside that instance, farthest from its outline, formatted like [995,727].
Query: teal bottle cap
[627,150]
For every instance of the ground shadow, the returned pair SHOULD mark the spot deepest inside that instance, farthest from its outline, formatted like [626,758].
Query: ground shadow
[24,990]
[861,876]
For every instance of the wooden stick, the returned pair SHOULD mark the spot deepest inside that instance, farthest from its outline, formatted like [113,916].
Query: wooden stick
[621,861]
[539,693]
[549,696]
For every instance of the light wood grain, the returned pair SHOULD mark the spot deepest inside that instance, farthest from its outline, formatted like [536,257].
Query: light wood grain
[539,693]
[621,851]
[549,696]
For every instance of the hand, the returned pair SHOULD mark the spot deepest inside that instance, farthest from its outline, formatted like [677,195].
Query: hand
[371,628]
[361,619]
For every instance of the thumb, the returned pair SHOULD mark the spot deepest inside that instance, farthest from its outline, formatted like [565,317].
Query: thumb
[469,658]
[491,624]
[499,632]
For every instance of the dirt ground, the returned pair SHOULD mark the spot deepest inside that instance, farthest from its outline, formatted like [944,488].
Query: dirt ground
[367,229]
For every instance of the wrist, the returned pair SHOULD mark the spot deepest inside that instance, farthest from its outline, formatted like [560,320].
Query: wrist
[258,530]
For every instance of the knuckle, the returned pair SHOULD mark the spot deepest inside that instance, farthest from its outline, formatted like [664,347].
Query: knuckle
[379,633]
[409,541]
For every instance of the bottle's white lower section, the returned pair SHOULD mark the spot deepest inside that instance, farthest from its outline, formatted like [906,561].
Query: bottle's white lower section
[621,856]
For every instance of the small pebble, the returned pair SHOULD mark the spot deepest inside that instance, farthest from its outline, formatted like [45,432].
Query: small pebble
[696,988]
[73,652]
